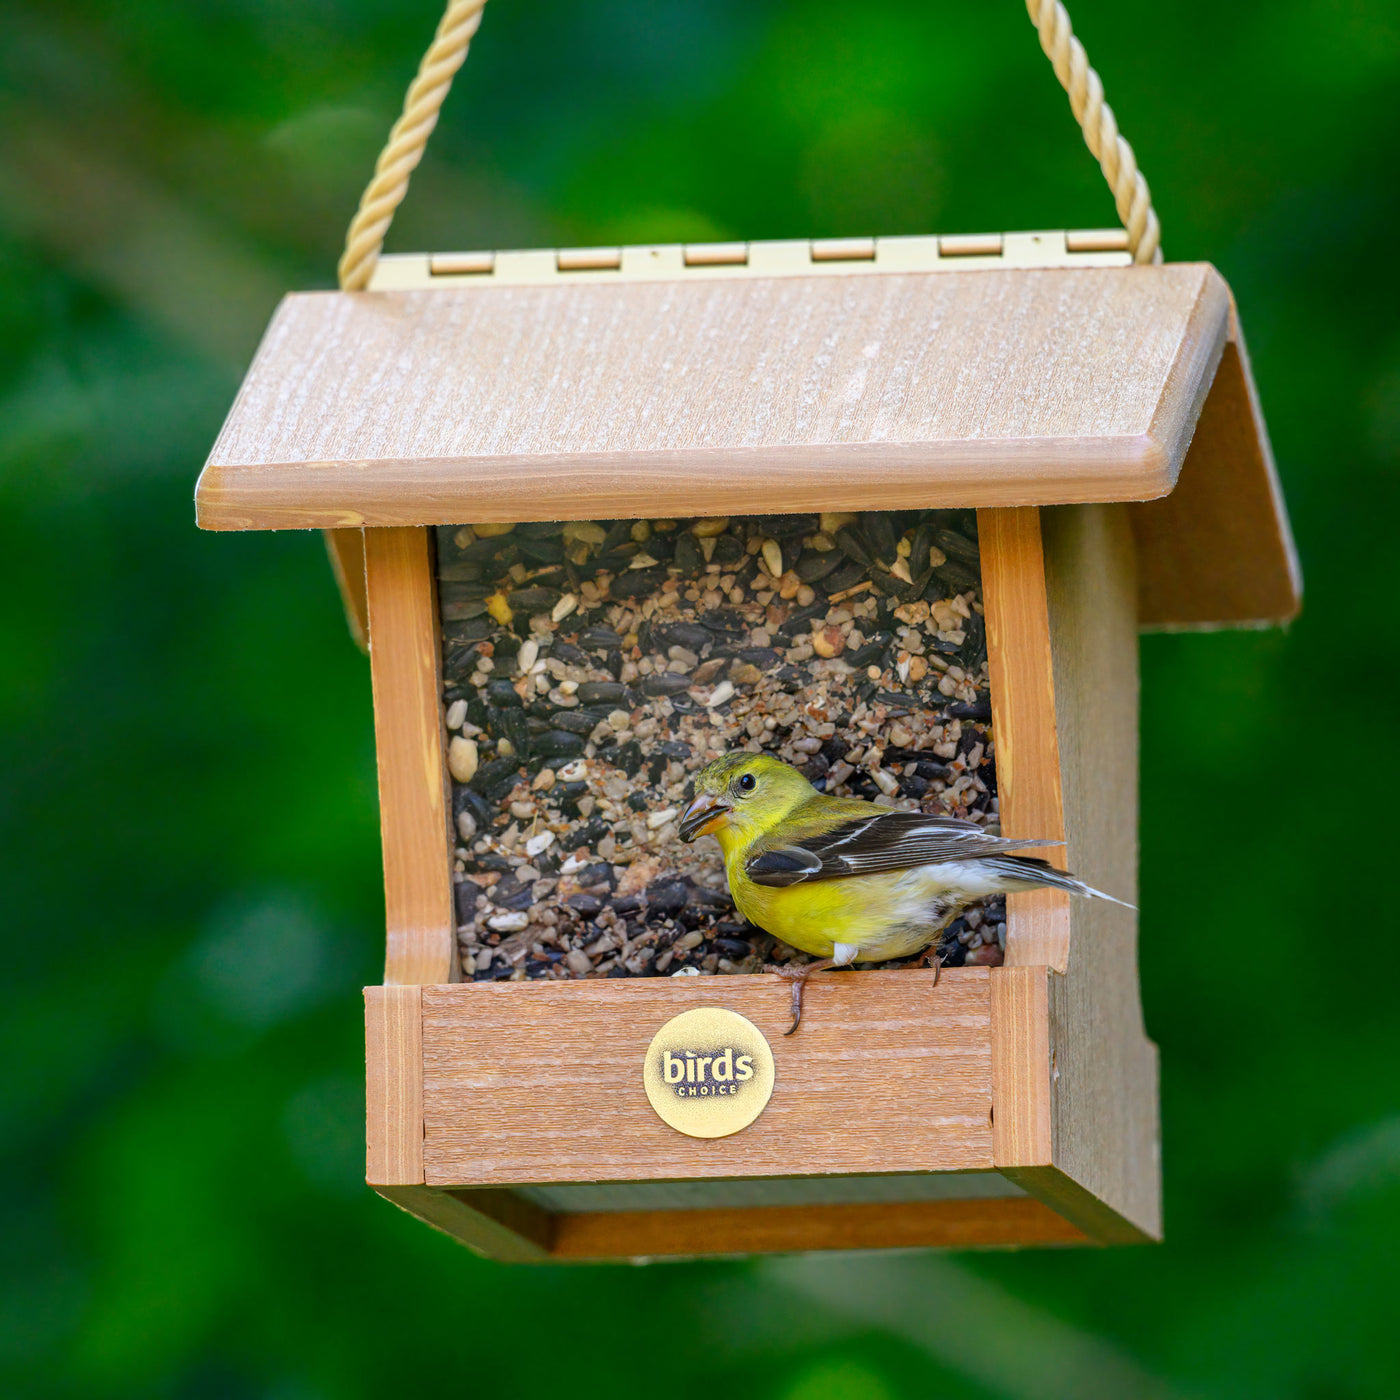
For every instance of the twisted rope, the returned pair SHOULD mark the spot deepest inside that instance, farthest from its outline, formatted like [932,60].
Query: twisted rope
[364,240]
[1100,127]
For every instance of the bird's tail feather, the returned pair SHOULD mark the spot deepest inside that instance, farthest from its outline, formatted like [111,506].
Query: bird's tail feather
[1032,872]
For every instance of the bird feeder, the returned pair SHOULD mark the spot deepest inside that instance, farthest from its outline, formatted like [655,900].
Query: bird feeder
[1100,418]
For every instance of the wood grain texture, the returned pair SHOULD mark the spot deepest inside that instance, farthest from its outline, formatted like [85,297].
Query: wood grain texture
[1022,1121]
[743,394]
[405,657]
[965,1224]
[1045,1077]
[1074,1077]
[393,1086]
[1074,1202]
[1103,1067]
[346,551]
[494,1223]
[541,1082]
[1023,721]
[1219,549]
[501,1226]
[727,1193]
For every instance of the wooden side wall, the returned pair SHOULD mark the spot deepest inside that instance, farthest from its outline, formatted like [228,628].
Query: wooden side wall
[503,1225]
[1074,1077]
[541,1082]
[1104,1069]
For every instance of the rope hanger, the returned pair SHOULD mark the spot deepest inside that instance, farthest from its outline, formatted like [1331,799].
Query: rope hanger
[364,240]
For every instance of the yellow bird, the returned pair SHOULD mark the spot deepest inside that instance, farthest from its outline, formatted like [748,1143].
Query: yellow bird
[845,880]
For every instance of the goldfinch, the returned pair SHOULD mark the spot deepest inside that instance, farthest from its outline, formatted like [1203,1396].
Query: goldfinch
[843,879]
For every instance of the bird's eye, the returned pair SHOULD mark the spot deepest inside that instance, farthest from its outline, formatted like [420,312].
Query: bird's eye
[747,783]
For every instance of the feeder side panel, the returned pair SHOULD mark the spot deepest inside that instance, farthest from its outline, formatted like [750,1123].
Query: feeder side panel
[1104,1077]
[540,1082]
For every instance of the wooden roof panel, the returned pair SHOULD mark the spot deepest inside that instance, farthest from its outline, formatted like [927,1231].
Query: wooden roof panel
[738,395]
[411,407]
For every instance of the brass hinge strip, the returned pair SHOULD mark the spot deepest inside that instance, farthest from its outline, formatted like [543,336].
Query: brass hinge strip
[777,258]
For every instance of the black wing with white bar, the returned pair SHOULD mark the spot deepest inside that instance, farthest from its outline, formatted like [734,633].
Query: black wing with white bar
[882,842]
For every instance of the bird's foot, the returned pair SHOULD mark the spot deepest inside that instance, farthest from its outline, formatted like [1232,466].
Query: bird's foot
[797,976]
[933,959]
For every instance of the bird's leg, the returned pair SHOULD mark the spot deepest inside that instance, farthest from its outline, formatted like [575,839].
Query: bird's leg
[933,959]
[797,978]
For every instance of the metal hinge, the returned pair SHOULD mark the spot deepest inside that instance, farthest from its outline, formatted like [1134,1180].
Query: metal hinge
[782,258]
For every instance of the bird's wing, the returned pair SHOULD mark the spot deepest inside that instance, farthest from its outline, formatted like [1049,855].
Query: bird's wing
[869,845]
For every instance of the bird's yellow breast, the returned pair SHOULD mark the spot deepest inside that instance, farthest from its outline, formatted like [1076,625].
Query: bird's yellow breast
[884,915]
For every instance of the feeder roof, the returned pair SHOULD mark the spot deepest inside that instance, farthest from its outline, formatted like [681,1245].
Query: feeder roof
[598,394]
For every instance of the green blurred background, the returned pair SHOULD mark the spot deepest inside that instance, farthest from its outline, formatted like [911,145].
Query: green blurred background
[191,895]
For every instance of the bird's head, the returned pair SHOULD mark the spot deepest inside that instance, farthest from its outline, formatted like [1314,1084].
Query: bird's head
[741,795]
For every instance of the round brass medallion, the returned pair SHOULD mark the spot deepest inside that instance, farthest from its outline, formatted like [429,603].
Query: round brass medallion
[709,1072]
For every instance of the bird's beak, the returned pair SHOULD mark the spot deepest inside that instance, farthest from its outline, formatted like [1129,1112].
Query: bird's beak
[703,816]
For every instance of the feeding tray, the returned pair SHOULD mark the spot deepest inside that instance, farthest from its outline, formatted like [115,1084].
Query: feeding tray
[1100,421]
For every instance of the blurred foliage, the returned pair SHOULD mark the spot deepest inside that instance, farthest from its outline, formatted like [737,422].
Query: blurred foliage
[188,827]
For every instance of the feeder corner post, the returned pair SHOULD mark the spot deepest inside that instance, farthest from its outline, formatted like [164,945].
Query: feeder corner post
[494,1223]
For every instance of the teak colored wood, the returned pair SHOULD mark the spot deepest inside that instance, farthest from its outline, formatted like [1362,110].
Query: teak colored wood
[1023,719]
[541,1081]
[736,394]
[967,1224]
[855,390]
[463,400]
[1027,1092]
[1220,548]
[394,1085]
[1104,422]
[346,551]
[1104,1069]
[405,657]
[391,408]
[1074,1072]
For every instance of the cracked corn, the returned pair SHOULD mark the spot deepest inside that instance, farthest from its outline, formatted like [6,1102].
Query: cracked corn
[591,667]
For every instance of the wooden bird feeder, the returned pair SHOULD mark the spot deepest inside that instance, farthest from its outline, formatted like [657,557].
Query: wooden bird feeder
[1101,419]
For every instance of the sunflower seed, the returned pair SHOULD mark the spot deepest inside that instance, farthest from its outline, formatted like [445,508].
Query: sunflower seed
[582,768]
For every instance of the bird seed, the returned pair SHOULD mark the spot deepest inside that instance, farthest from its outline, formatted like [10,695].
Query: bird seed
[591,668]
